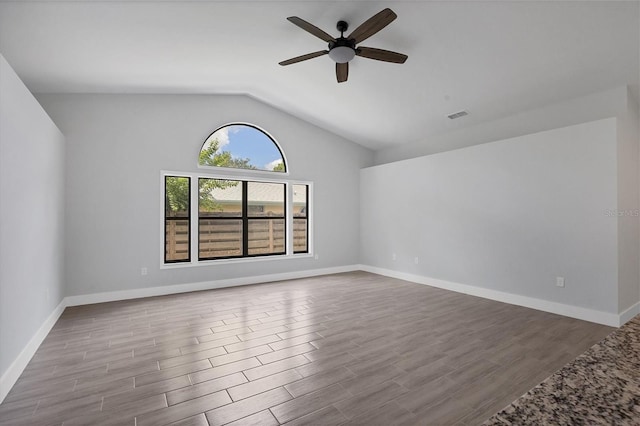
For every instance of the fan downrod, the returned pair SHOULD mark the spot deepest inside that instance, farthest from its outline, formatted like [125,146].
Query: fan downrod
[342,26]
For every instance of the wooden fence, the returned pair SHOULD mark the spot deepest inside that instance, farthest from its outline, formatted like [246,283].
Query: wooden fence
[223,238]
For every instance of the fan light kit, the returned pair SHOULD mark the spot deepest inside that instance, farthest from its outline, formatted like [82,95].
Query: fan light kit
[343,49]
[342,54]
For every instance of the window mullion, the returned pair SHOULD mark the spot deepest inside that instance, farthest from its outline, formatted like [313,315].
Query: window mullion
[245,219]
[194,222]
[310,218]
[289,218]
[306,214]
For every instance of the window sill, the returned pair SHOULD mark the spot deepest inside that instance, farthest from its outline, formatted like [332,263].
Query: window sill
[198,263]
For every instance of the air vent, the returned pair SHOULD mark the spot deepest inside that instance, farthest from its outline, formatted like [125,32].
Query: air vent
[457,115]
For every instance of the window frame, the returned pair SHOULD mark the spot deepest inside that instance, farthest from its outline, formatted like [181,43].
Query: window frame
[239,170]
[230,218]
[249,177]
[246,217]
[305,217]
[166,218]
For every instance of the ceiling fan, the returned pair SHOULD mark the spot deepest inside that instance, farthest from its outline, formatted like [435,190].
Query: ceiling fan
[343,49]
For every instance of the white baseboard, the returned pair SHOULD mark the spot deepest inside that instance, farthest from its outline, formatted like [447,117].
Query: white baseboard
[111,296]
[606,318]
[16,368]
[629,313]
[12,374]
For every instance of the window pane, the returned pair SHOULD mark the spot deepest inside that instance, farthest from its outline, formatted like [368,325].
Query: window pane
[219,198]
[240,146]
[265,199]
[266,236]
[219,238]
[176,240]
[176,196]
[300,200]
[300,244]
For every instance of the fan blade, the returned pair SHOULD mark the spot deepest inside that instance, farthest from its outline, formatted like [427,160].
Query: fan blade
[373,25]
[304,57]
[381,55]
[342,72]
[310,28]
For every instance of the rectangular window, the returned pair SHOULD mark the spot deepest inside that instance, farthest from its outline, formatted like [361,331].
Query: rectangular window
[220,224]
[234,218]
[239,218]
[300,218]
[265,218]
[177,219]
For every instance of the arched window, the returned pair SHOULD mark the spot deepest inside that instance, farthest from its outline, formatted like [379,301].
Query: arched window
[242,146]
[214,216]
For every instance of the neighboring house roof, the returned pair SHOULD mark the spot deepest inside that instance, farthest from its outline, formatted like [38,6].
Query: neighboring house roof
[259,194]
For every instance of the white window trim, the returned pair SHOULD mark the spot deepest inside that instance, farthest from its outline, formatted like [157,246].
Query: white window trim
[234,169]
[193,227]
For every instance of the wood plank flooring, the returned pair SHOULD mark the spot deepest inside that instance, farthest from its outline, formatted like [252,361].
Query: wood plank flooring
[353,348]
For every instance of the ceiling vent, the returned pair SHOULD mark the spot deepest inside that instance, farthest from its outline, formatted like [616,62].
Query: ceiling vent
[457,115]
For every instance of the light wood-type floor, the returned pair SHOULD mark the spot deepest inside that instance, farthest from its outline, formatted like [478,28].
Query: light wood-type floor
[353,348]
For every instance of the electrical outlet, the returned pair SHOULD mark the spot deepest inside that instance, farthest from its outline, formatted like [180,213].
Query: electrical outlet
[144,271]
[560,281]
[316,257]
[394,257]
[415,260]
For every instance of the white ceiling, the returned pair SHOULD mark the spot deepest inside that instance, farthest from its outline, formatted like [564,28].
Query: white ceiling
[493,59]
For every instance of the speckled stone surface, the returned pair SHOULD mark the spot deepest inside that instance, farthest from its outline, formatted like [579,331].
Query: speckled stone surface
[600,387]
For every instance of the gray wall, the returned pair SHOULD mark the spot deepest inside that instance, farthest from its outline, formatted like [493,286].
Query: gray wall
[31,216]
[628,206]
[116,147]
[508,215]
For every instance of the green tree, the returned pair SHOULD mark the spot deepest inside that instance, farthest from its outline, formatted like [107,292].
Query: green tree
[177,188]
[209,156]
[279,167]
[177,195]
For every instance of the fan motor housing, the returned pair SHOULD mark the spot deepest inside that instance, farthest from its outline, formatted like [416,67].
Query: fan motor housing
[341,41]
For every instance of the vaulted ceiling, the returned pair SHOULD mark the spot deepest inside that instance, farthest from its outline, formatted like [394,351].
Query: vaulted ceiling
[492,59]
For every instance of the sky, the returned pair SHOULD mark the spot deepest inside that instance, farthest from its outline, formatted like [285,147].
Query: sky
[248,142]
